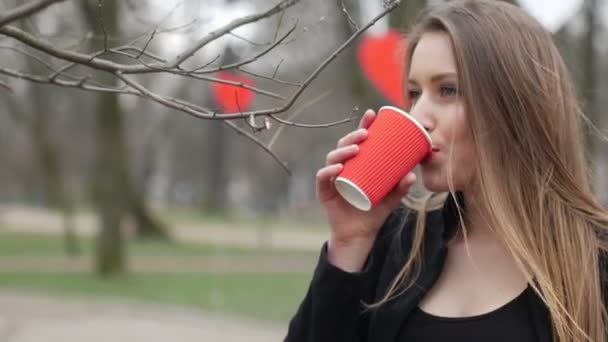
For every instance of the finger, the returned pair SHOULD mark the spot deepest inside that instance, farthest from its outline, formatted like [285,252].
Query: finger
[367,119]
[340,155]
[404,186]
[325,177]
[406,183]
[354,137]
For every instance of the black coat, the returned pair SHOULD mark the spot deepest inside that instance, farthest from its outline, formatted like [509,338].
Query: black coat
[332,310]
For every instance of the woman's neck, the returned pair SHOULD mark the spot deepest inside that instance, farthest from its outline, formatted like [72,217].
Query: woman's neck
[476,225]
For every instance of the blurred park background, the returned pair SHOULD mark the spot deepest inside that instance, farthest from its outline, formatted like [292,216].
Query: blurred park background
[138,202]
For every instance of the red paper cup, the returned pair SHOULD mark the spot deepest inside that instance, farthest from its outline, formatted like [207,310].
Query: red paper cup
[395,144]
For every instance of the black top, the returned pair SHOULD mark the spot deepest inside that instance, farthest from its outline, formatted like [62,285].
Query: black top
[333,308]
[510,322]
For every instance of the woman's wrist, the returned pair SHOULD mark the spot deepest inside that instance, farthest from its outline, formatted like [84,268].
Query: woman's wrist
[349,255]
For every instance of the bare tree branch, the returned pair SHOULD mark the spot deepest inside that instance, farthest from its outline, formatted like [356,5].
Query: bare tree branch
[6,87]
[25,10]
[106,65]
[190,108]
[143,62]
[80,84]
[280,7]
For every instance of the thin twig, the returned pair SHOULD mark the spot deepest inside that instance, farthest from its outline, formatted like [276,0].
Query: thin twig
[301,125]
[203,78]
[252,73]
[143,50]
[140,52]
[205,65]
[260,144]
[181,105]
[45,64]
[6,87]
[297,112]
[350,18]
[282,6]
[276,70]
[103,26]
[246,40]
[276,32]
[252,59]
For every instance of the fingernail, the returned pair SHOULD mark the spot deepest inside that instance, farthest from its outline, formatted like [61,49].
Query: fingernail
[411,178]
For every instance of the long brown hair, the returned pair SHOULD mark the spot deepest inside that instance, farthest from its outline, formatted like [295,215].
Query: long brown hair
[532,170]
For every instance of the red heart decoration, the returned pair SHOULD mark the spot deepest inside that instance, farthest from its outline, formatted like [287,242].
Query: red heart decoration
[382,59]
[231,98]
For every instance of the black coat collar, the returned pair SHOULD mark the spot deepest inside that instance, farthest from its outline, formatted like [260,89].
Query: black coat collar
[387,320]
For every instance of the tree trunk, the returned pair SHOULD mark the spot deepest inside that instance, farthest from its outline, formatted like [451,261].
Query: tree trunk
[146,225]
[589,86]
[218,170]
[217,177]
[110,175]
[110,199]
[114,193]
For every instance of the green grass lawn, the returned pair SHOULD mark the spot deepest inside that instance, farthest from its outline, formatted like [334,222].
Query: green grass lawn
[272,297]
[264,296]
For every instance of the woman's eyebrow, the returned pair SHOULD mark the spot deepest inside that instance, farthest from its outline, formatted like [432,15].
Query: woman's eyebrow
[435,78]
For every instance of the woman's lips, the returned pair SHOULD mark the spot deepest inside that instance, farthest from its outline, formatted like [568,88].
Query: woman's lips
[434,150]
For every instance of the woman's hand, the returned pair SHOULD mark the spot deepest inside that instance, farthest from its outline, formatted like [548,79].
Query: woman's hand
[353,231]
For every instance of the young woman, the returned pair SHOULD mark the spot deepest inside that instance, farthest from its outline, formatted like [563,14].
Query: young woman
[510,245]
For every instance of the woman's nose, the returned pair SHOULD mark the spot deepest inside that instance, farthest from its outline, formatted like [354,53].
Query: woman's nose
[421,113]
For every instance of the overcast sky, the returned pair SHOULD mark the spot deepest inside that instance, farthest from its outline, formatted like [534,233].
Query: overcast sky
[551,13]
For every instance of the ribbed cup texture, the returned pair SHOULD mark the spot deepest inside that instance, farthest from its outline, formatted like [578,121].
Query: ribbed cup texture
[394,146]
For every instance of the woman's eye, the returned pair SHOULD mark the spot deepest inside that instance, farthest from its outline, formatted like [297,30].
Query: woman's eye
[449,91]
[414,94]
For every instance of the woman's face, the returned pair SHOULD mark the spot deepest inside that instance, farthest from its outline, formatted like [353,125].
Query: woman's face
[437,105]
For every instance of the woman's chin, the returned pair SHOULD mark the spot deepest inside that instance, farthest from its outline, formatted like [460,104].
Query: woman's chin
[434,184]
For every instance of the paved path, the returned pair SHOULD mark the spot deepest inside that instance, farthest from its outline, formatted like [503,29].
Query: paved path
[39,318]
